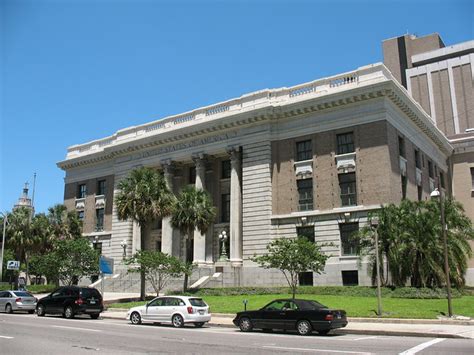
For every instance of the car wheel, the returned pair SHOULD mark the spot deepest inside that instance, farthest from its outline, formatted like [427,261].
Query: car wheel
[68,312]
[40,310]
[198,324]
[135,318]
[95,315]
[245,324]
[178,321]
[303,327]
[31,312]
[323,332]
[8,308]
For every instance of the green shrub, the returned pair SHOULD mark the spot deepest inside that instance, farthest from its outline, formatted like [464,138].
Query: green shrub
[31,288]
[357,291]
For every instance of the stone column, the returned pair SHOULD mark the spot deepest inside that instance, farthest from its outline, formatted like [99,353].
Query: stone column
[199,254]
[235,207]
[166,228]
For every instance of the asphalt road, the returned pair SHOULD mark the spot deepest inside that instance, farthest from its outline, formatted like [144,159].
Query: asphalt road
[29,334]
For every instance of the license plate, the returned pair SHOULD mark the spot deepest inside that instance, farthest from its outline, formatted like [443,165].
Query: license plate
[338,316]
[201,312]
[92,302]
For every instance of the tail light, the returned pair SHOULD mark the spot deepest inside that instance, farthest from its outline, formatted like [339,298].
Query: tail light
[329,317]
[18,300]
[79,301]
[190,310]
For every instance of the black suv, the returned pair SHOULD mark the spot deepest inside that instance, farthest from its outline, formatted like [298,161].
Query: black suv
[71,300]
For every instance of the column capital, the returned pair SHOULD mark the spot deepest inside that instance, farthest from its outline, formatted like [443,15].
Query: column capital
[235,154]
[200,160]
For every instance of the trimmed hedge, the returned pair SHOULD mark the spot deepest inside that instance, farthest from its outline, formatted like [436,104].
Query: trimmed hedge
[359,291]
[32,288]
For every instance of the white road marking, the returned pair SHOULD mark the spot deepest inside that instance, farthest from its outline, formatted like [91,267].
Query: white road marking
[314,350]
[421,346]
[5,337]
[75,328]
[364,338]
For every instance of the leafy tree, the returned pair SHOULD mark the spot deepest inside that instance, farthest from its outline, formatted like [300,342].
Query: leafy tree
[158,267]
[292,257]
[64,223]
[193,210]
[143,197]
[69,261]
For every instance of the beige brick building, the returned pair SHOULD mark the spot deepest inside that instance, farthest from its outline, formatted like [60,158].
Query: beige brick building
[313,159]
[441,80]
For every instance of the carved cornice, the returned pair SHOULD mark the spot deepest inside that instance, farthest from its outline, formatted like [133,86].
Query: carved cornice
[225,128]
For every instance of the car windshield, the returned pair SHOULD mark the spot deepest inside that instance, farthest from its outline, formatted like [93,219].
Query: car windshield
[197,302]
[22,294]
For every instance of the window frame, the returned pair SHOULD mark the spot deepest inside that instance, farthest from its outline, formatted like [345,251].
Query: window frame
[305,194]
[304,150]
[343,145]
[81,191]
[346,196]
[101,187]
[225,208]
[401,147]
[97,219]
[345,232]
[226,169]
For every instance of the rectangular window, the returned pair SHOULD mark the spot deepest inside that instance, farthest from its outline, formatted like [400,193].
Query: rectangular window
[80,215]
[350,278]
[305,278]
[225,208]
[441,179]
[226,169]
[99,214]
[345,143]
[192,175]
[304,150]
[81,191]
[305,232]
[420,193]
[348,246]
[101,187]
[98,247]
[472,178]
[401,147]
[417,159]
[305,194]
[404,187]
[430,169]
[347,185]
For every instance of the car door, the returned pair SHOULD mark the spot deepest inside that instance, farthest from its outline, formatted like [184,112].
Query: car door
[4,295]
[152,311]
[289,315]
[273,315]
[55,303]
[172,305]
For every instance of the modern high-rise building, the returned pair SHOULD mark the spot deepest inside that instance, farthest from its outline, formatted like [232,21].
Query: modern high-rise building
[310,160]
[441,80]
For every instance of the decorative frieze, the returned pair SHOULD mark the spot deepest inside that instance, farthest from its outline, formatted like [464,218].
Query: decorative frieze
[419,177]
[80,204]
[403,166]
[100,201]
[304,168]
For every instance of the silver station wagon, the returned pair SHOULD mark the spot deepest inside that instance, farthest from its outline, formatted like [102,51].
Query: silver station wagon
[12,301]
[176,310]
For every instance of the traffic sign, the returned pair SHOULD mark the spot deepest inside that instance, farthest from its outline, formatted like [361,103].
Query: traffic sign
[13,265]
[106,265]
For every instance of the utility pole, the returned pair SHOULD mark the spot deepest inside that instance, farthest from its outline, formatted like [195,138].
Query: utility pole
[5,221]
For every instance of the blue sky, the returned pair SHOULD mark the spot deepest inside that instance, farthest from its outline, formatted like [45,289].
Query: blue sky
[73,71]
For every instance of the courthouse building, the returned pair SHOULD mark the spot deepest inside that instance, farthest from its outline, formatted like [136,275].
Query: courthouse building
[313,160]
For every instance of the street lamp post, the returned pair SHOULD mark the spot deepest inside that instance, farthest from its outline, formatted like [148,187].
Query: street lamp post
[223,239]
[437,194]
[5,221]
[374,222]
[123,244]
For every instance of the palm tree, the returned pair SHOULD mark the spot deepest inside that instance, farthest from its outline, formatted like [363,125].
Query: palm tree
[64,223]
[193,210]
[144,196]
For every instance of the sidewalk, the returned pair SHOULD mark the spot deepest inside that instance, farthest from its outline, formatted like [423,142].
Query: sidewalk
[398,327]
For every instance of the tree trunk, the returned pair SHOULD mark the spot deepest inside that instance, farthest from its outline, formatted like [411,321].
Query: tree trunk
[142,272]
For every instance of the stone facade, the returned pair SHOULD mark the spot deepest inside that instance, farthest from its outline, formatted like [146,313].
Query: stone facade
[254,139]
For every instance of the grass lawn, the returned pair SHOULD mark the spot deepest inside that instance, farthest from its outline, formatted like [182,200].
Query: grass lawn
[354,306]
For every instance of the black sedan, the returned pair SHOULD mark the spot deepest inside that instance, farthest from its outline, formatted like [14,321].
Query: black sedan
[304,316]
